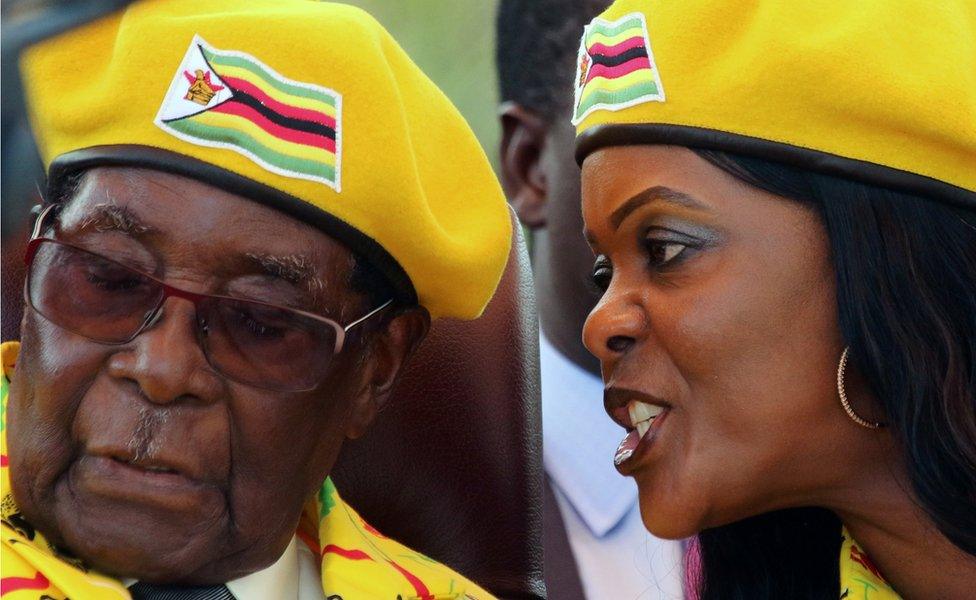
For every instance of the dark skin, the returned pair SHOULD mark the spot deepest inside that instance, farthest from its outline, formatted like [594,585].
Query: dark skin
[248,458]
[541,180]
[720,305]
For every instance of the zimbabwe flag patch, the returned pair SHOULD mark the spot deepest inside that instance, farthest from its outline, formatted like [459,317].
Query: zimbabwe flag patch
[615,68]
[231,100]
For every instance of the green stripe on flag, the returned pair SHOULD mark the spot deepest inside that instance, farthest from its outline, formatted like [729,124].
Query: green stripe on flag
[287,88]
[609,97]
[612,30]
[246,142]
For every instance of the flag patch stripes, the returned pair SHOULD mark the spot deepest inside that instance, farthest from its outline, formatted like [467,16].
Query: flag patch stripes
[231,100]
[616,67]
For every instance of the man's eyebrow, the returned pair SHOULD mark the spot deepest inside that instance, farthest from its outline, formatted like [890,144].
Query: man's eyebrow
[293,268]
[657,192]
[109,216]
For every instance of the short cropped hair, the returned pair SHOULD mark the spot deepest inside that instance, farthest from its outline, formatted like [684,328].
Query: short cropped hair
[535,54]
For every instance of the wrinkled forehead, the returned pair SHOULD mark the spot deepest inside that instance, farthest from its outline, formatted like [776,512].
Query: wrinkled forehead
[172,206]
[179,218]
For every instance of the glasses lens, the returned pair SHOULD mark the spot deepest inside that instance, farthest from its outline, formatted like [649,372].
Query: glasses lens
[90,294]
[267,346]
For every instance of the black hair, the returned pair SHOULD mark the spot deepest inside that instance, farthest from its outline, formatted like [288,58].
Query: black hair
[535,51]
[367,280]
[906,294]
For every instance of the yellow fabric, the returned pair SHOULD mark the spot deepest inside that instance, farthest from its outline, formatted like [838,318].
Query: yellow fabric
[413,176]
[859,578]
[890,82]
[358,562]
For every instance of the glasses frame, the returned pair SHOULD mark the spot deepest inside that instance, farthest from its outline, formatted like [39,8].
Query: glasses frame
[169,291]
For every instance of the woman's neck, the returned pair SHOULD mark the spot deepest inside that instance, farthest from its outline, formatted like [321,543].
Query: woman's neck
[884,517]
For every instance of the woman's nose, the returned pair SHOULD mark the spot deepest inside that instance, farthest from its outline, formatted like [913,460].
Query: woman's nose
[613,327]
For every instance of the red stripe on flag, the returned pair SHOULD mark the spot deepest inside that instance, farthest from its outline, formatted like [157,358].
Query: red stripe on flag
[294,112]
[13,584]
[641,62]
[289,135]
[350,554]
[418,586]
[619,48]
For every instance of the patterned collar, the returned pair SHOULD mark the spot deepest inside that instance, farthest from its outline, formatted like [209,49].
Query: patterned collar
[859,578]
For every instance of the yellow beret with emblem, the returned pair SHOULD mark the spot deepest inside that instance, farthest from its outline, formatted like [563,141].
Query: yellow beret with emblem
[309,107]
[879,91]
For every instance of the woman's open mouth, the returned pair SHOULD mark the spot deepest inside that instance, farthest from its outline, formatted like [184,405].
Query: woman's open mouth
[645,422]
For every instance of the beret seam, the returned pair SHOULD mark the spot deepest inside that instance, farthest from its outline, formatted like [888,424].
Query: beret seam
[630,134]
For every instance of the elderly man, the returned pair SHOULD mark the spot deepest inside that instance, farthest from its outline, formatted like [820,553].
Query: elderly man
[253,212]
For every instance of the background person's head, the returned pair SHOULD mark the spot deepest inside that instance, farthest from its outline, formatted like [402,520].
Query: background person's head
[183,449]
[536,49]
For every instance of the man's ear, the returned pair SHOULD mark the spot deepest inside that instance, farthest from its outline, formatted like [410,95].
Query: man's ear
[384,357]
[524,181]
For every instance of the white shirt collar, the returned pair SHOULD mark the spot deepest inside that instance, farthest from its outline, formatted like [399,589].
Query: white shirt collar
[578,442]
[280,580]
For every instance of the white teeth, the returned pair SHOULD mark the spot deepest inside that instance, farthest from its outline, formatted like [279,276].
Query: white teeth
[642,427]
[642,412]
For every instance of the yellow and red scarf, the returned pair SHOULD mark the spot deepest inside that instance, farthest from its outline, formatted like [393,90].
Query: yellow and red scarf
[357,562]
[859,578]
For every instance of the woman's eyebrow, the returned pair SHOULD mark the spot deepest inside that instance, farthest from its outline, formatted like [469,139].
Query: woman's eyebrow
[651,194]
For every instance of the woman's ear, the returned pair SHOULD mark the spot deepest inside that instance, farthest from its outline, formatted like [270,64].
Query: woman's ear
[522,144]
[385,355]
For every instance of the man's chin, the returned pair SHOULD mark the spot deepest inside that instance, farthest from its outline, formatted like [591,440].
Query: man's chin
[147,543]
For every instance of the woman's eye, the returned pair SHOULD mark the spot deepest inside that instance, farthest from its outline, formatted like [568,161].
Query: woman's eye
[602,273]
[662,252]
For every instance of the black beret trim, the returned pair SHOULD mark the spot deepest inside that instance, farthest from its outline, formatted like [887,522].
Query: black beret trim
[171,162]
[634,134]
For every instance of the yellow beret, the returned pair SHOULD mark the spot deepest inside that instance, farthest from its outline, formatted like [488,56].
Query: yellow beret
[879,91]
[311,108]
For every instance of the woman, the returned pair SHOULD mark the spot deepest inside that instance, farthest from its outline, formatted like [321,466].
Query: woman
[782,201]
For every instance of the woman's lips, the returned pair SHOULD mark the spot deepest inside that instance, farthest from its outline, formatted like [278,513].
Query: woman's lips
[645,420]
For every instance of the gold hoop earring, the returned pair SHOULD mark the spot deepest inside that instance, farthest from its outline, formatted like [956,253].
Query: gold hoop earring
[843,395]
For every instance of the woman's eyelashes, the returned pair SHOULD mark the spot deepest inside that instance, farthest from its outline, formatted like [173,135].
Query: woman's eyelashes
[665,249]
[602,273]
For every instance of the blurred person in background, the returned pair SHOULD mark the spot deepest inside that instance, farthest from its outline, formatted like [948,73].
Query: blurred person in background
[217,299]
[782,200]
[595,543]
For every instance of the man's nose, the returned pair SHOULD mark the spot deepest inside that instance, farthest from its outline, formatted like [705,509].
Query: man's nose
[614,326]
[166,359]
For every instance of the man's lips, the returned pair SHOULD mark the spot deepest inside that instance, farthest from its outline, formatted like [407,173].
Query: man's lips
[119,476]
[156,462]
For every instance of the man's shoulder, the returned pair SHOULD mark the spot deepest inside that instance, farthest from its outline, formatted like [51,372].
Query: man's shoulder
[358,561]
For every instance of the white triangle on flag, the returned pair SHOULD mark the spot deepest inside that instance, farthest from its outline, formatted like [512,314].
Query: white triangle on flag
[187,96]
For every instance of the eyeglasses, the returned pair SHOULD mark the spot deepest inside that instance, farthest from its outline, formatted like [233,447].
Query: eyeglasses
[256,343]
